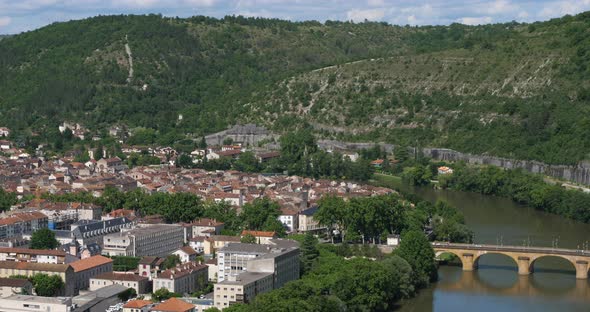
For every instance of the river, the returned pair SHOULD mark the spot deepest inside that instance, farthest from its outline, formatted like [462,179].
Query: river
[496,285]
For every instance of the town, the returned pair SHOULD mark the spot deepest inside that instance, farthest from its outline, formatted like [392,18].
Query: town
[180,258]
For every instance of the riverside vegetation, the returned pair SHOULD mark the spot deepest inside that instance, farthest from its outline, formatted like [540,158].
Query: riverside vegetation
[514,90]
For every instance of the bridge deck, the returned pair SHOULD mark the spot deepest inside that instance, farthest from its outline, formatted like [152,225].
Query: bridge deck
[522,249]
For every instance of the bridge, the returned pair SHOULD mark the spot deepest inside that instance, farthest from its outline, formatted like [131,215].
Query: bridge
[524,257]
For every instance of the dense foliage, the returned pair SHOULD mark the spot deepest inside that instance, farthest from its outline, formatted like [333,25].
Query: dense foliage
[524,188]
[47,285]
[371,219]
[43,239]
[510,89]
[336,284]
[7,199]
[125,263]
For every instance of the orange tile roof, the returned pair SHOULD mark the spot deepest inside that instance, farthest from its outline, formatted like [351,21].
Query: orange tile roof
[89,263]
[137,304]
[259,233]
[173,305]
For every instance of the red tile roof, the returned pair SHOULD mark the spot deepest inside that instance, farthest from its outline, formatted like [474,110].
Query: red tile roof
[173,305]
[137,304]
[89,263]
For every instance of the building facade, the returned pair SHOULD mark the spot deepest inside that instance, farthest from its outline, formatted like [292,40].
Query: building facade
[158,240]
[185,278]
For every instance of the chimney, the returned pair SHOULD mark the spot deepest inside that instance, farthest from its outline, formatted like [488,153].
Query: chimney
[73,250]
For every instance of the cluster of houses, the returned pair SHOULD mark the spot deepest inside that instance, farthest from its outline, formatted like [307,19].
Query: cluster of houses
[91,240]
[237,271]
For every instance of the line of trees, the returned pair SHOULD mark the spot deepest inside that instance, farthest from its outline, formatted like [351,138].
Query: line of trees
[261,214]
[371,219]
[522,187]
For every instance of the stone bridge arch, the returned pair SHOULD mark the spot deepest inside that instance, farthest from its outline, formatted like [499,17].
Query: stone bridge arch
[505,254]
[580,266]
[437,253]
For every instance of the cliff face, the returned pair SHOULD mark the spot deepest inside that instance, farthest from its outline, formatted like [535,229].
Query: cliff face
[579,173]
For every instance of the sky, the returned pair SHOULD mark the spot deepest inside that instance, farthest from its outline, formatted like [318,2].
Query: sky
[22,15]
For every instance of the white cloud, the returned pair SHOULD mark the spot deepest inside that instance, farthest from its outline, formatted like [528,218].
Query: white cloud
[560,8]
[475,20]
[361,15]
[376,3]
[5,21]
[497,7]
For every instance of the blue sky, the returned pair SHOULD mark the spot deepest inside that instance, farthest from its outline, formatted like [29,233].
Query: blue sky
[21,15]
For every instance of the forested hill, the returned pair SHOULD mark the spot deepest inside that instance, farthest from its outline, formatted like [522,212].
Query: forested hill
[513,90]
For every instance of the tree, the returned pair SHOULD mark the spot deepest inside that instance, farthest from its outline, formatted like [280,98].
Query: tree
[46,285]
[184,161]
[417,251]
[332,213]
[247,163]
[309,252]
[127,294]
[171,261]
[248,239]
[163,294]
[43,239]
[212,309]
[7,199]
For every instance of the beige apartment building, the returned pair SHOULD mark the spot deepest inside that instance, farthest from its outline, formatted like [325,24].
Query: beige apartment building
[157,240]
[246,270]
[88,268]
[185,278]
[242,288]
[25,303]
[65,271]
[139,283]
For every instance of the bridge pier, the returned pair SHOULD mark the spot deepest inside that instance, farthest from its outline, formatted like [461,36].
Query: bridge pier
[524,265]
[468,262]
[582,269]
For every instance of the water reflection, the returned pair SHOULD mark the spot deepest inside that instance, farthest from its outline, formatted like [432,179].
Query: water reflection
[496,285]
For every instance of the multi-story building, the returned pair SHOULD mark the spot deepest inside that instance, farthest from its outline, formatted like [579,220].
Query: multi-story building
[88,232]
[153,240]
[290,219]
[88,268]
[214,242]
[32,255]
[206,227]
[150,266]
[22,223]
[65,271]
[186,254]
[185,278]
[139,283]
[245,270]
[306,221]
[242,288]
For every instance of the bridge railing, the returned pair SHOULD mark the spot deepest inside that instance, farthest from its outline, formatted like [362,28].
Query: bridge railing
[530,249]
